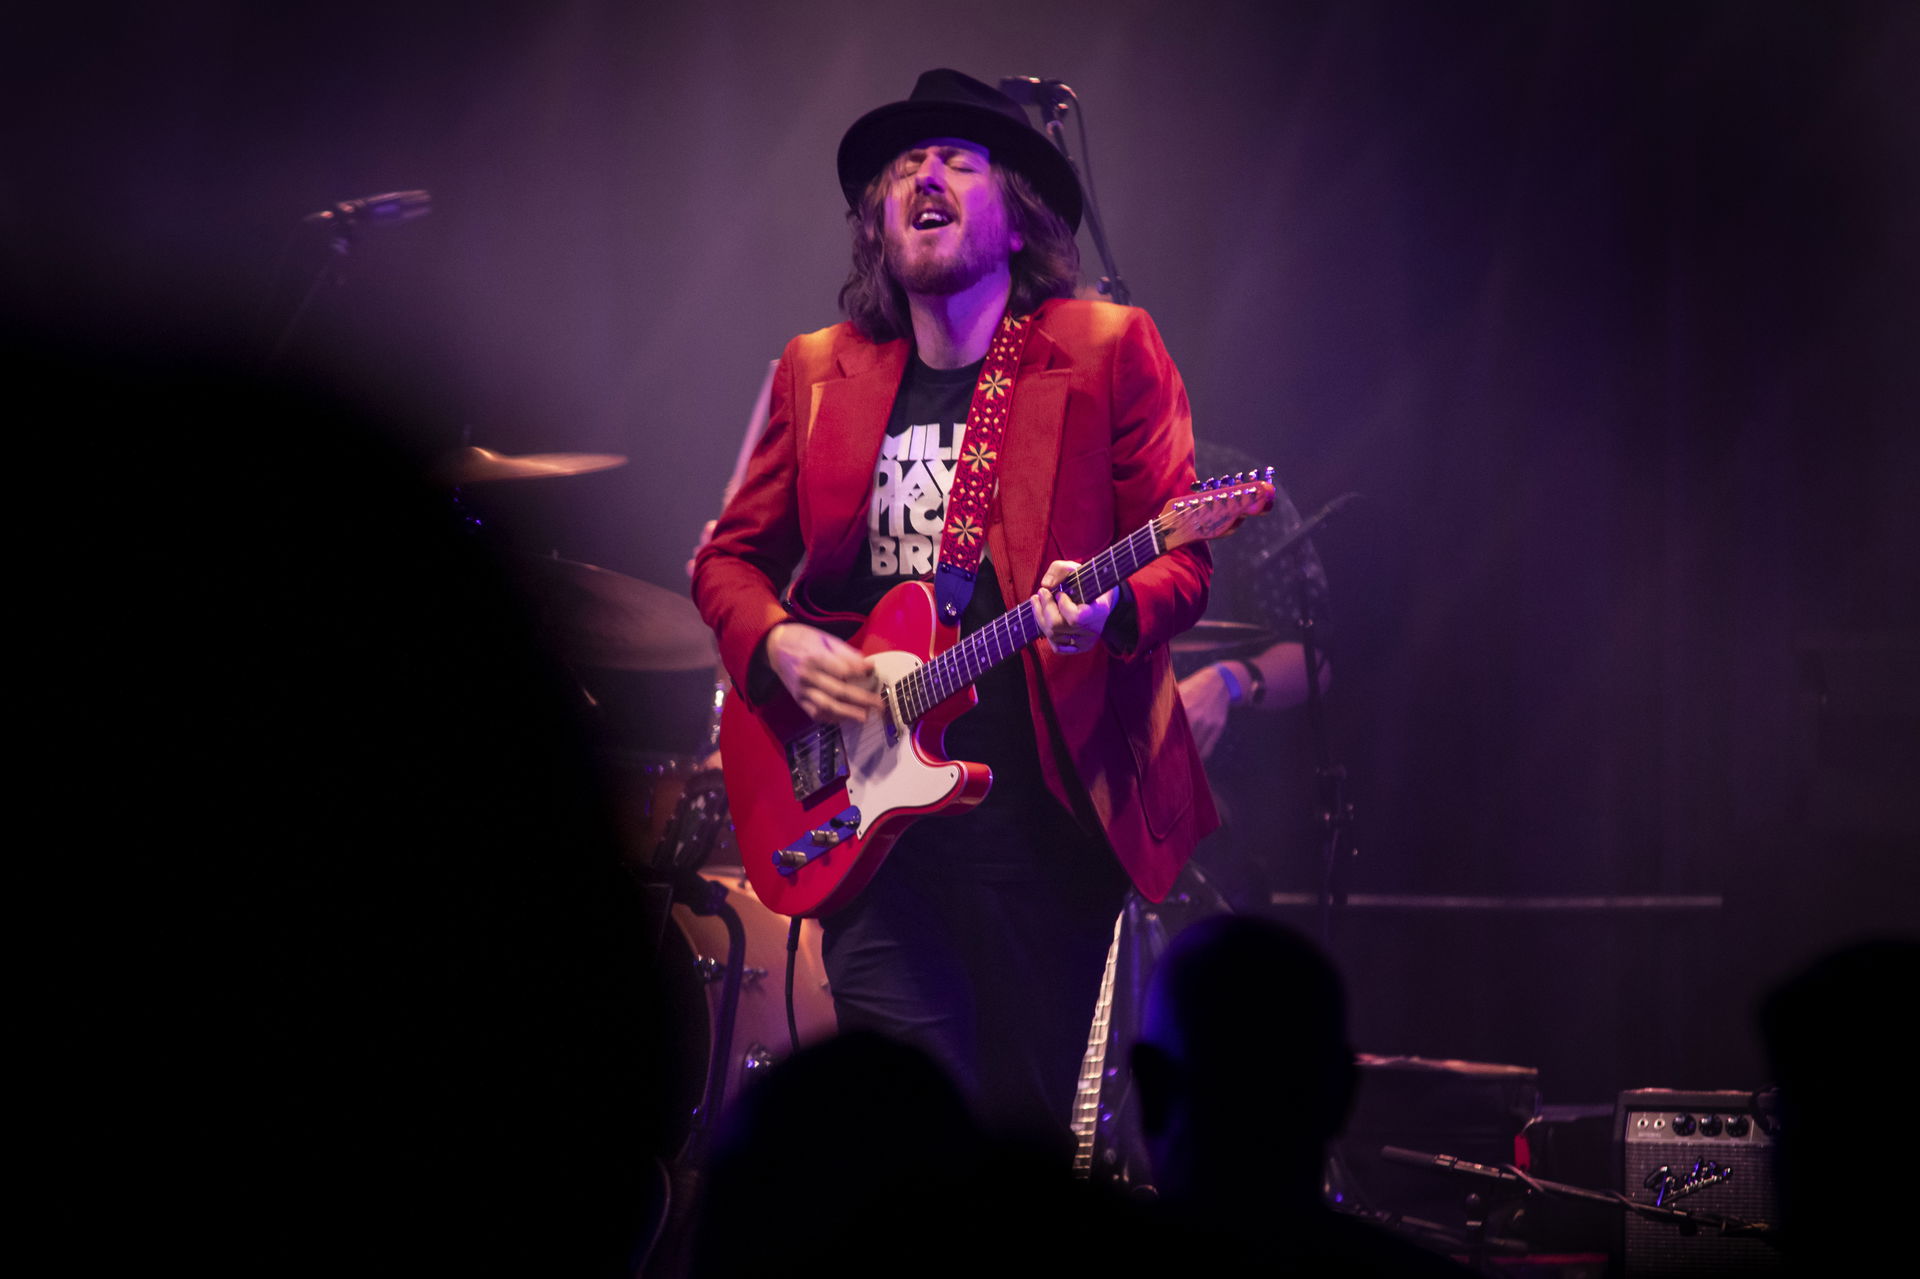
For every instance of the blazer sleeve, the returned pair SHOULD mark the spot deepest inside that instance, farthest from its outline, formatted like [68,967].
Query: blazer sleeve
[739,575]
[1152,461]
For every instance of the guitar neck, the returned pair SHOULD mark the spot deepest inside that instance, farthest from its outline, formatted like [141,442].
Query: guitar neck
[976,654]
[1093,1066]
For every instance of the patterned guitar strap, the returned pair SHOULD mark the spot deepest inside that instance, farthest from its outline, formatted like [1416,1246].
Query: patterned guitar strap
[963,538]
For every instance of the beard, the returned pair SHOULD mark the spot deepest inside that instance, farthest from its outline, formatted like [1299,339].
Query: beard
[946,269]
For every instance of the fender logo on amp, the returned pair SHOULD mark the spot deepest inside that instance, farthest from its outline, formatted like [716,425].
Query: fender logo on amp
[1668,1186]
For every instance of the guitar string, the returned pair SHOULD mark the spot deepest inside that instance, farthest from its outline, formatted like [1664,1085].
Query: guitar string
[959,666]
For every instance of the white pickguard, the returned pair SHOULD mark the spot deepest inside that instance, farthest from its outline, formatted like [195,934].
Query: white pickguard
[883,775]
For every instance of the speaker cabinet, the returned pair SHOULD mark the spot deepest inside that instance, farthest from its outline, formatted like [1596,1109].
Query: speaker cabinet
[1704,1152]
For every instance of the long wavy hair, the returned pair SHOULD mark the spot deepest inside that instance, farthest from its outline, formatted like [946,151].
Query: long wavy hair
[1047,265]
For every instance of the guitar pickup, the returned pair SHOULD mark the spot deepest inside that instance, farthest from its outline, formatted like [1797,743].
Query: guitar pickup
[816,762]
[818,841]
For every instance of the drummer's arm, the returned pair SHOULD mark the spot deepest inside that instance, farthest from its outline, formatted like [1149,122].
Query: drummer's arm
[1273,680]
[1282,670]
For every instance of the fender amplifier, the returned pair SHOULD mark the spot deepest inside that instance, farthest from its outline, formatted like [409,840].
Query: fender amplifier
[1708,1153]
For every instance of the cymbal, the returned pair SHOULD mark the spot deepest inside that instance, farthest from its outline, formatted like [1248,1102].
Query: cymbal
[595,617]
[1208,636]
[484,466]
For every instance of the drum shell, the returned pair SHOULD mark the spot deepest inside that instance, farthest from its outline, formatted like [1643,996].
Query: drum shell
[696,959]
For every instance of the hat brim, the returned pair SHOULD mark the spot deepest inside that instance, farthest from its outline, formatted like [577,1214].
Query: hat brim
[883,133]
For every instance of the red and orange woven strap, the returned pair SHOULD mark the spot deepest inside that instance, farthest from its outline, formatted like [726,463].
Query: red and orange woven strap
[963,538]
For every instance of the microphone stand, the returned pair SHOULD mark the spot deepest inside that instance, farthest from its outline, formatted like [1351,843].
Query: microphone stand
[1054,100]
[332,270]
[1333,810]
[1686,1221]
[343,221]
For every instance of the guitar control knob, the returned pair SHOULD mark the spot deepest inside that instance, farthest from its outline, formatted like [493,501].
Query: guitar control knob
[825,837]
[790,858]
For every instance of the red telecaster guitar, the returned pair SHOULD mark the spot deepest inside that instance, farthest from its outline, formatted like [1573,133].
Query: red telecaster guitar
[816,807]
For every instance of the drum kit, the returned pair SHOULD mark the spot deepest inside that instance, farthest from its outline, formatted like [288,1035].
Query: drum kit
[724,954]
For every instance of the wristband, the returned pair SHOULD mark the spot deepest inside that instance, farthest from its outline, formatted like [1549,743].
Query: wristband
[1234,691]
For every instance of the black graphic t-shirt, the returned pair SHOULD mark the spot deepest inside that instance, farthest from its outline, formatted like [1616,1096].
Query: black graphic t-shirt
[911,477]
[905,512]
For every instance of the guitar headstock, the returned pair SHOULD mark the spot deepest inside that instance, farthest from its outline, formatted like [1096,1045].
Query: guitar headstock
[1215,507]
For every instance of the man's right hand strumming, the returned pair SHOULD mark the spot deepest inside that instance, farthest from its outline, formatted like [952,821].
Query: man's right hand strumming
[828,677]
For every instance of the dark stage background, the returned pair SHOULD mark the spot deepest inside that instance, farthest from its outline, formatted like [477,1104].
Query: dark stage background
[1608,309]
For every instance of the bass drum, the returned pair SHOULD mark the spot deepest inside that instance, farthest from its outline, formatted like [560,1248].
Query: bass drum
[695,955]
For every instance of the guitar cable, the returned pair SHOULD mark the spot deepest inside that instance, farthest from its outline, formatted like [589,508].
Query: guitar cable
[793,956]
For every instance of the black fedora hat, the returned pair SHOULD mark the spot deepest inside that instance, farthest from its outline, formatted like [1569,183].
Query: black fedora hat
[946,104]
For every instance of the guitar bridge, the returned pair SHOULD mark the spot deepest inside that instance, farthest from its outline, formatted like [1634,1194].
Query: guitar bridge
[816,762]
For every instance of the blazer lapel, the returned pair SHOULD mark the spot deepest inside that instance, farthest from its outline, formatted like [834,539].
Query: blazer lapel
[846,421]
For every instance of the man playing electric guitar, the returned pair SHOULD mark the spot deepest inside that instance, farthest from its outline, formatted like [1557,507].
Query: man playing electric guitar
[973,425]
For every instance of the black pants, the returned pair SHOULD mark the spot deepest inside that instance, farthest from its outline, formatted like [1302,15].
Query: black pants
[982,941]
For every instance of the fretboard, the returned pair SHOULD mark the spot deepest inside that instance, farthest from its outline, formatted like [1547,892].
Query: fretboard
[1093,1066]
[958,667]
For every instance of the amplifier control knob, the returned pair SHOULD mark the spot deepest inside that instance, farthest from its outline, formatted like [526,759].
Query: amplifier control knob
[1683,1125]
[1709,1125]
[1736,1125]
